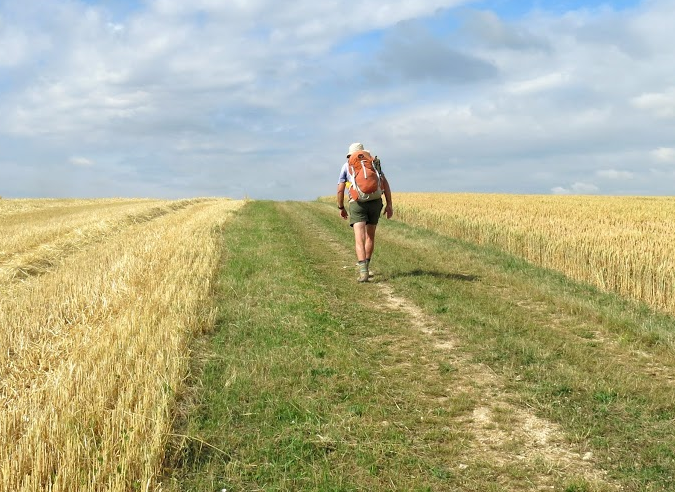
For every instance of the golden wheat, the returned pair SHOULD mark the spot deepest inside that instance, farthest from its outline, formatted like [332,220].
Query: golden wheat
[21,205]
[30,239]
[620,244]
[95,348]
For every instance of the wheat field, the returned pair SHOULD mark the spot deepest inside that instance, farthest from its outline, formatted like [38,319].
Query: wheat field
[624,245]
[99,300]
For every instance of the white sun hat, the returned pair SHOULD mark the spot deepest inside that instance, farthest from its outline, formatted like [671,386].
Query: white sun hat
[354,147]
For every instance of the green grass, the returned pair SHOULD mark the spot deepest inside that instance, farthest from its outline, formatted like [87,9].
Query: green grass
[312,382]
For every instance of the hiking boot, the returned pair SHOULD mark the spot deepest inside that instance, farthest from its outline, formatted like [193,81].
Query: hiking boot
[371,274]
[363,271]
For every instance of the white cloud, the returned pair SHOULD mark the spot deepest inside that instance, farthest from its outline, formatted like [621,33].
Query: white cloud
[14,45]
[488,27]
[81,161]
[322,22]
[538,84]
[614,174]
[662,104]
[577,188]
[559,190]
[178,94]
[18,44]
[115,28]
[584,188]
[664,154]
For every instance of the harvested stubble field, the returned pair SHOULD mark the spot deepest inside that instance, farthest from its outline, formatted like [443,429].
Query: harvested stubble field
[619,244]
[202,345]
[99,302]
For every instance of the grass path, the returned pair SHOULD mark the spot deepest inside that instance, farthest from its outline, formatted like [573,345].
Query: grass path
[457,368]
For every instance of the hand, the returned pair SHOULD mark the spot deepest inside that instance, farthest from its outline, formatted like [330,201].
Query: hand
[343,213]
[388,210]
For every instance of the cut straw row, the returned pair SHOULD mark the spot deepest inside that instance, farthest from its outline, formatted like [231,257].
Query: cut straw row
[95,351]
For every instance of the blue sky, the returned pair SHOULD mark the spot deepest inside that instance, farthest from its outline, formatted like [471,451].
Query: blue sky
[259,98]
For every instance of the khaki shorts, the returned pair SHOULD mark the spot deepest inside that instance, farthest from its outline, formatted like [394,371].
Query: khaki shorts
[368,212]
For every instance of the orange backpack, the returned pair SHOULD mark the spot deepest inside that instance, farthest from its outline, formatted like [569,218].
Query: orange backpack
[367,177]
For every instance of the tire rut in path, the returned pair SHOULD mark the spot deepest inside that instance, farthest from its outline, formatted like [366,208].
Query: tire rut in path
[504,434]
[525,438]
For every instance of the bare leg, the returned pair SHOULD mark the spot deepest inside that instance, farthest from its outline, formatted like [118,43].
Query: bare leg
[369,244]
[360,240]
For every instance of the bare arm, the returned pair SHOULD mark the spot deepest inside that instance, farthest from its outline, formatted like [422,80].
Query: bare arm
[389,208]
[341,200]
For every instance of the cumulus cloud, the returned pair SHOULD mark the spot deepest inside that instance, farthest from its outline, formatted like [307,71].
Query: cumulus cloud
[664,154]
[614,174]
[175,96]
[15,44]
[662,104]
[489,28]
[540,83]
[577,188]
[413,53]
[81,161]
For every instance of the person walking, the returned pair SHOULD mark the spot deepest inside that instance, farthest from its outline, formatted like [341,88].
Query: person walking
[367,184]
